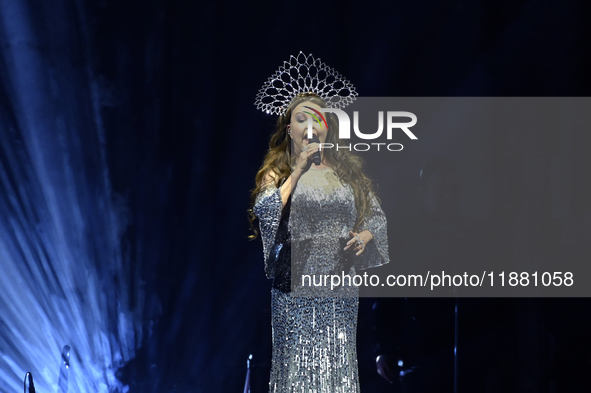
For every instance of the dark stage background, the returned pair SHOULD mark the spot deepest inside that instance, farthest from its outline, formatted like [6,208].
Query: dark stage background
[166,89]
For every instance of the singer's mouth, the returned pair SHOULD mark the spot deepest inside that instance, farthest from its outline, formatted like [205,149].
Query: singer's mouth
[307,139]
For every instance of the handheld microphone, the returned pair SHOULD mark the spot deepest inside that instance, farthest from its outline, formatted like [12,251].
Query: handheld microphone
[315,156]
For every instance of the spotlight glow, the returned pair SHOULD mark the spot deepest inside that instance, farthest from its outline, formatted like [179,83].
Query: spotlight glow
[64,279]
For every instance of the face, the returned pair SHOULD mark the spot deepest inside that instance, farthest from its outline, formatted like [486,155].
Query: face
[298,127]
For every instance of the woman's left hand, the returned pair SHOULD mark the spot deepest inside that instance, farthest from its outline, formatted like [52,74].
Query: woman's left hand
[359,240]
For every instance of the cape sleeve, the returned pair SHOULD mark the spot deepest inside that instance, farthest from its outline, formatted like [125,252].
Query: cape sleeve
[268,207]
[376,251]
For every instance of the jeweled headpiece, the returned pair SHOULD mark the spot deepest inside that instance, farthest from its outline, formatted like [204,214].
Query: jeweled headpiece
[304,74]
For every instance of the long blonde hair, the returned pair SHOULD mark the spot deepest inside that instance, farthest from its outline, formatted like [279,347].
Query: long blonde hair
[347,165]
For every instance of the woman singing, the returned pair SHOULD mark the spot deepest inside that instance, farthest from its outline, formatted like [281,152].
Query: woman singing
[335,224]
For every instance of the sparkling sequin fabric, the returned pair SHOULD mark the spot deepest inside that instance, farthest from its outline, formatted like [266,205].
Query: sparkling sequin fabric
[314,337]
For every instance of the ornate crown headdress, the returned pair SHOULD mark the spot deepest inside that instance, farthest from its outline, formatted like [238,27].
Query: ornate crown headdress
[304,74]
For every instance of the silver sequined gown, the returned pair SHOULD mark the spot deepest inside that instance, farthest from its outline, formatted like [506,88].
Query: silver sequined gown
[314,338]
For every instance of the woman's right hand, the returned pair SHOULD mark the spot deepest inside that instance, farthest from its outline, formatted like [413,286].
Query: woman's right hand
[301,166]
[303,160]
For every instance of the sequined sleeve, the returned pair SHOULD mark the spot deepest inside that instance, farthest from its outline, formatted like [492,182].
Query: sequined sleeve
[376,251]
[268,206]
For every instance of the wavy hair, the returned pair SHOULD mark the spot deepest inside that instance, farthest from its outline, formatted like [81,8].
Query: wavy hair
[278,162]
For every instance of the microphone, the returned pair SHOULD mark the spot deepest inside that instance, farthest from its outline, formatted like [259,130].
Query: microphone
[31,384]
[315,156]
